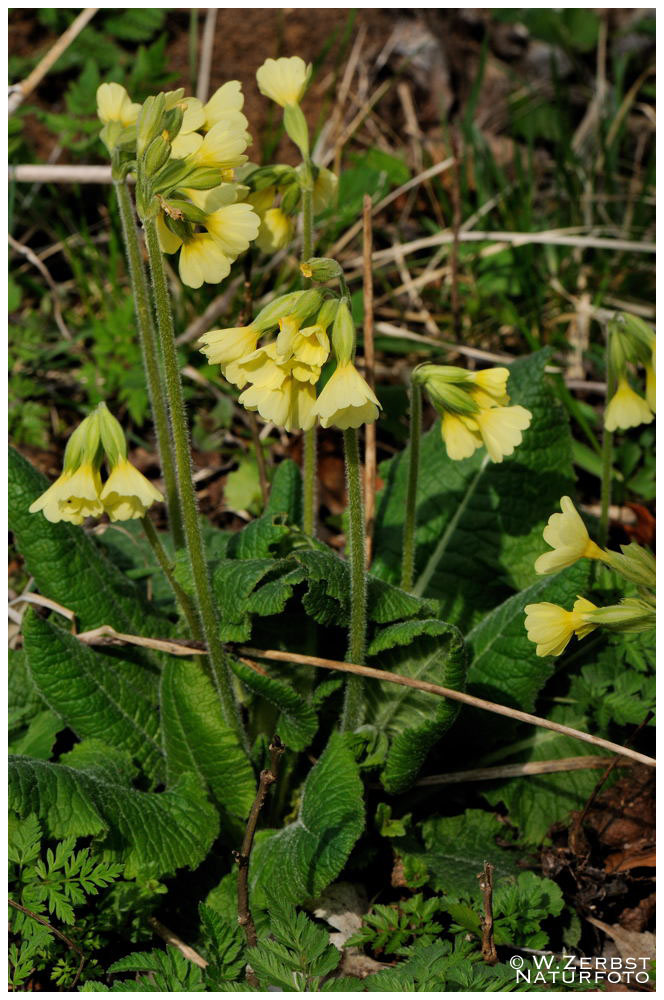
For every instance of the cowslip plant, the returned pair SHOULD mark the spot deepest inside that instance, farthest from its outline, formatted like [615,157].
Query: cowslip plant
[163,741]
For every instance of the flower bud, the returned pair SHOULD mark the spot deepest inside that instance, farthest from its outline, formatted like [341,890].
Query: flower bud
[112,436]
[308,303]
[149,124]
[83,444]
[631,615]
[172,121]
[639,330]
[156,155]
[202,178]
[176,208]
[269,316]
[327,312]
[290,199]
[321,268]
[635,564]
[172,98]
[343,333]
[296,127]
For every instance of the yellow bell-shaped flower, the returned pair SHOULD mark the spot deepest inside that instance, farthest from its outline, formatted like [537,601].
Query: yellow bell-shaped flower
[223,347]
[284,80]
[501,429]
[202,260]
[115,105]
[626,409]
[551,627]
[127,494]
[460,436]
[347,399]
[568,537]
[74,496]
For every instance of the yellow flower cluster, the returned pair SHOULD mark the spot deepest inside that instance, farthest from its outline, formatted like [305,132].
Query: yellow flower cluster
[550,626]
[279,378]
[474,409]
[191,151]
[79,493]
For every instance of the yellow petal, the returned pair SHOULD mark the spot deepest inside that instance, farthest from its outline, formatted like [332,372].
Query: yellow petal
[115,105]
[501,428]
[284,80]
[201,259]
[347,400]
[226,100]
[626,409]
[127,493]
[461,440]
[233,228]
[168,241]
[221,347]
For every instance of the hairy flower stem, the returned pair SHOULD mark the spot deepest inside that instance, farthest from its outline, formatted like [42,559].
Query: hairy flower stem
[192,530]
[353,710]
[425,577]
[309,454]
[607,466]
[149,349]
[409,524]
[182,597]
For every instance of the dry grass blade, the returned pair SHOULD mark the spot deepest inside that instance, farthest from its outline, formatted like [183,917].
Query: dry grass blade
[443,692]
[106,635]
[518,770]
[43,270]
[20,91]
[46,173]
[207,47]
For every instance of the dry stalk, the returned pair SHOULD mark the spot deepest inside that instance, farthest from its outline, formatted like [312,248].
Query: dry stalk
[267,778]
[489,953]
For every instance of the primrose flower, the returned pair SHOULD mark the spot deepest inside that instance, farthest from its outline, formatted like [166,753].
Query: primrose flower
[347,399]
[626,408]
[115,105]
[74,496]
[493,382]
[460,436]
[223,347]
[222,147]
[233,228]
[551,627]
[567,535]
[276,230]
[224,104]
[202,259]
[284,80]
[501,429]
[127,494]
[274,391]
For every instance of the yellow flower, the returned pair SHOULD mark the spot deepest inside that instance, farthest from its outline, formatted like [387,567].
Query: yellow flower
[310,351]
[289,405]
[552,627]
[222,347]
[493,382]
[127,493]
[501,429]
[276,231]
[284,80]
[626,409]
[202,259]
[233,227]
[567,535]
[74,496]
[347,399]
[650,381]
[460,436]
[115,105]
[224,104]
[223,146]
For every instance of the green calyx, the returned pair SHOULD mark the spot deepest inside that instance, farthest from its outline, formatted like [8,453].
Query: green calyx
[112,436]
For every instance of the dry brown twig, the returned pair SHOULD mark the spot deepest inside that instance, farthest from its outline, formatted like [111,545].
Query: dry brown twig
[485,877]
[267,778]
[18,92]
[169,937]
[443,692]
[45,273]
[54,930]
[520,770]
[207,47]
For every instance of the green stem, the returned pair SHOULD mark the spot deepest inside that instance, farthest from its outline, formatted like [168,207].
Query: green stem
[410,520]
[309,482]
[309,456]
[150,352]
[353,710]
[181,596]
[607,464]
[425,577]
[192,530]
